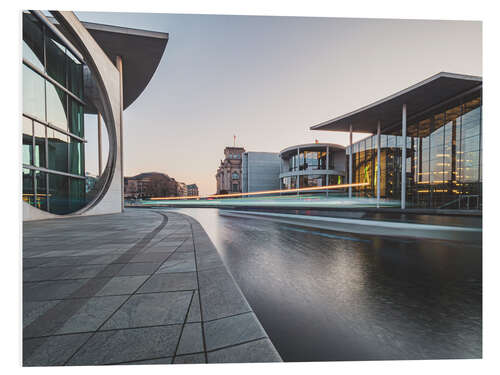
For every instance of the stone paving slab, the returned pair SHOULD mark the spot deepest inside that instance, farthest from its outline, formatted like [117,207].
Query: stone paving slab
[128,345]
[256,351]
[141,287]
[233,330]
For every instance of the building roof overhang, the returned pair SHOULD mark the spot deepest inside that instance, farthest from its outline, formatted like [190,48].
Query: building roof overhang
[140,50]
[418,99]
[311,146]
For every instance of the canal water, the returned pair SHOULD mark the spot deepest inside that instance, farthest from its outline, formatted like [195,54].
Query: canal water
[324,296]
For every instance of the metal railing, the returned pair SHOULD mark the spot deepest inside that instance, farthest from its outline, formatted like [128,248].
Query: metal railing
[467,203]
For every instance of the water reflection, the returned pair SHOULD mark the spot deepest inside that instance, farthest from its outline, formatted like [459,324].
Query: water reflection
[352,297]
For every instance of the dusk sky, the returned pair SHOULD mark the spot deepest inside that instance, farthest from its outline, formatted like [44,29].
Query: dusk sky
[268,79]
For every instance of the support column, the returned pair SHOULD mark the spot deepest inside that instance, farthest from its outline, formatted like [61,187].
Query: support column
[297,182]
[327,167]
[99,141]
[350,161]
[378,164]
[403,161]
[281,172]
[119,66]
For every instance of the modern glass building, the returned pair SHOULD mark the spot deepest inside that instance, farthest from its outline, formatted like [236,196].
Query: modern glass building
[312,165]
[53,129]
[427,143]
[75,87]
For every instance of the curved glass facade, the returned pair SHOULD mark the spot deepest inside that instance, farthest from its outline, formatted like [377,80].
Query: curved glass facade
[443,163]
[309,160]
[53,122]
[308,166]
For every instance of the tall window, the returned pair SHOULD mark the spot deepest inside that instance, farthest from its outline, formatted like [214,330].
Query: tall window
[235,176]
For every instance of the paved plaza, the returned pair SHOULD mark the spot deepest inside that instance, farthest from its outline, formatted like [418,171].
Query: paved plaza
[141,287]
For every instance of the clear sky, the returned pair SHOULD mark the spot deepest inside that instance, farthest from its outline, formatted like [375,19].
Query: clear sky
[268,79]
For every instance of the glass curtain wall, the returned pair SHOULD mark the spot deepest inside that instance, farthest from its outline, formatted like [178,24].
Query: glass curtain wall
[443,164]
[53,129]
[314,160]
[309,160]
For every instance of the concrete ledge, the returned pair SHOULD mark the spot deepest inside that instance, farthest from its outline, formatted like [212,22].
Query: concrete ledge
[139,287]
[371,227]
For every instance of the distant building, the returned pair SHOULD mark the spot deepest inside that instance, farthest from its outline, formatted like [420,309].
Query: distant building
[181,189]
[137,187]
[229,173]
[260,171]
[192,190]
[90,182]
[312,165]
[153,184]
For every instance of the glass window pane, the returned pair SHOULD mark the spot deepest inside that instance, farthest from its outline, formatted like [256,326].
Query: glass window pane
[470,166]
[471,123]
[58,150]
[28,186]
[391,141]
[27,141]
[58,194]
[76,118]
[470,144]
[56,107]
[33,94]
[76,157]
[39,156]
[76,194]
[75,75]
[383,141]
[41,190]
[32,41]
[56,59]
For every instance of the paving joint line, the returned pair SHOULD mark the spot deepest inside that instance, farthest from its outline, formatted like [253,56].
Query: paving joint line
[229,316]
[238,344]
[199,293]
[127,299]
[182,328]
[94,285]
[109,295]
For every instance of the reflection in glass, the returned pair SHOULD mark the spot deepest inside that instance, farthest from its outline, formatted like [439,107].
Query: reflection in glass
[33,41]
[75,75]
[58,194]
[28,186]
[33,94]
[40,152]
[76,157]
[311,181]
[27,141]
[76,193]
[76,118]
[56,59]
[41,190]
[56,107]
[57,150]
